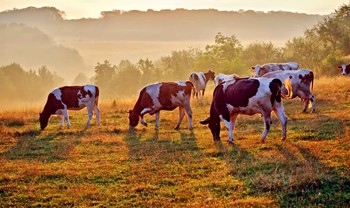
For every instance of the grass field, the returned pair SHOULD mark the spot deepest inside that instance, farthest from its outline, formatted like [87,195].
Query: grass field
[110,166]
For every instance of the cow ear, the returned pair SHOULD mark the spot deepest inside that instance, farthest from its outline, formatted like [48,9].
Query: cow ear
[262,68]
[253,67]
[339,67]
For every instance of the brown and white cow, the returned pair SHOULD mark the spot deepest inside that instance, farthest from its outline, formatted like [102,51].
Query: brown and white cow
[266,68]
[296,84]
[162,96]
[66,98]
[200,80]
[246,96]
[220,78]
[345,69]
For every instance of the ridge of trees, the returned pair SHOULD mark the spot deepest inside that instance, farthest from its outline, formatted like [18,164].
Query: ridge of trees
[322,48]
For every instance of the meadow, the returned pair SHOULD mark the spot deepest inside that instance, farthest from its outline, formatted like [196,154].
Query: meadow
[109,165]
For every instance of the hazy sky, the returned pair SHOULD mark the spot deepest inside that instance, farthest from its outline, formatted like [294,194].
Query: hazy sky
[91,8]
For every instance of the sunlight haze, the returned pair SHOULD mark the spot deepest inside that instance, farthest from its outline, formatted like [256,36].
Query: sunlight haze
[92,8]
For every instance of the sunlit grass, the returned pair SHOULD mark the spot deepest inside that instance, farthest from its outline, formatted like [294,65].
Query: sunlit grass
[109,165]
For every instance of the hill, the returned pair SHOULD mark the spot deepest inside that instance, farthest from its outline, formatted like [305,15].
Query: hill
[74,46]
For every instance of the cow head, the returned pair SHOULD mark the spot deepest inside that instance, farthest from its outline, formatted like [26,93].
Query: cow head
[259,70]
[133,119]
[210,75]
[44,120]
[345,69]
[214,126]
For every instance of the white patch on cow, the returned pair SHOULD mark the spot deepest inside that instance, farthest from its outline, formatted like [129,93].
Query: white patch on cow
[183,84]
[229,107]
[57,93]
[228,83]
[224,78]
[344,69]
[177,100]
[145,110]
[153,91]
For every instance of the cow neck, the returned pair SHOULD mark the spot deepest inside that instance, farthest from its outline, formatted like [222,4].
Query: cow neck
[138,108]
[206,77]
[49,108]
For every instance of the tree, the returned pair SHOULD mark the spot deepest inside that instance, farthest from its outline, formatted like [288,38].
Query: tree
[104,74]
[224,55]
[260,53]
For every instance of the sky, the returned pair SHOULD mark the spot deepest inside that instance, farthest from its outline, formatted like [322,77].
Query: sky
[76,9]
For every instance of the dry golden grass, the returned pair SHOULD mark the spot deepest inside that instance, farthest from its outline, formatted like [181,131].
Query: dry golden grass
[111,166]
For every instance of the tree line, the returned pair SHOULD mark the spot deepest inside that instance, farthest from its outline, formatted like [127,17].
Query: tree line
[320,49]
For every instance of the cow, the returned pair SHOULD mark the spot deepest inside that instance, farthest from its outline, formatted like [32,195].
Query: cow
[246,96]
[224,77]
[66,98]
[200,80]
[296,84]
[162,96]
[345,69]
[261,70]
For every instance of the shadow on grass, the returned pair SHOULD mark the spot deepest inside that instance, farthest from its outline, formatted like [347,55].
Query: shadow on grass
[41,146]
[298,180]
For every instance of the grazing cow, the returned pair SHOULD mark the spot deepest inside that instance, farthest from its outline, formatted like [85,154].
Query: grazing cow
[162,96]
[220,78]
[345,69]
[296,83]
[261,70]
[200,80]
[66,98]
[246,96]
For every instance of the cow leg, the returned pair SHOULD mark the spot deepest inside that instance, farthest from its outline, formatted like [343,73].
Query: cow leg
[181,116]
[143,112]
[203,93]
[279,111]
[65,114]
[312,99]
[97,112]
[267,124]
[157,121]
[61,121]
[230,125]
[189,116]
[90,113]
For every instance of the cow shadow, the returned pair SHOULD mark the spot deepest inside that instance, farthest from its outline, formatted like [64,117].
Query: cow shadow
[145,143]
[41,146]
[297,177]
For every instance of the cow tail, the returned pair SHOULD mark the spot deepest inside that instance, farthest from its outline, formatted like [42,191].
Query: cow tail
[97,94]
[312,81]
[288,85]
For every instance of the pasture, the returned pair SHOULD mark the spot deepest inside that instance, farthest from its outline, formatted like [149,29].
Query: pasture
[112,166]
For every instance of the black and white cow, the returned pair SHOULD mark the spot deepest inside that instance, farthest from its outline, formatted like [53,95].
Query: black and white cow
[162,96]
[220,78]
[200,80]
[345,69]
[246,96]
[66,98]
[297,83]
[266,68]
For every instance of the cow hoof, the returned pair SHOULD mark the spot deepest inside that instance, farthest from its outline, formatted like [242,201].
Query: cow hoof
[230,141]
[177,128]
[190,128]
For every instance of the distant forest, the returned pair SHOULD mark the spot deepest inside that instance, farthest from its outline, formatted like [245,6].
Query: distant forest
[165,25]
[321,46]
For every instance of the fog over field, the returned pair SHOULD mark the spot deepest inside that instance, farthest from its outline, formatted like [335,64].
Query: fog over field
[34,37]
